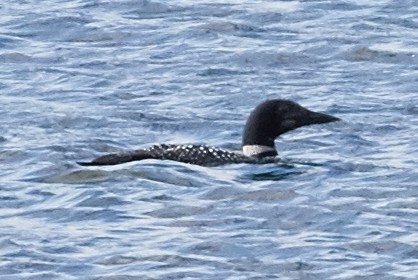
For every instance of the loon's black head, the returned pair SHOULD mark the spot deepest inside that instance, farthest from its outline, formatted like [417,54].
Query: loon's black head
[274,117]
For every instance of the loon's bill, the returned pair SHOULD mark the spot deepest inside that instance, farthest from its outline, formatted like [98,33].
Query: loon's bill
[266,122]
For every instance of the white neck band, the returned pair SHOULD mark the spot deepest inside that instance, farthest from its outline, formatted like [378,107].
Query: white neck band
[253,150]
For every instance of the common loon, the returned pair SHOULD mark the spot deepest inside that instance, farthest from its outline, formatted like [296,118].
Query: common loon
[266,122]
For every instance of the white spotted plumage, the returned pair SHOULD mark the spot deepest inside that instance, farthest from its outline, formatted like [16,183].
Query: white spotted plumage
[196,154]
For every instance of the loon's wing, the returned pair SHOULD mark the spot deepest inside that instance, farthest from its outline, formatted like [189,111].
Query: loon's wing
[193,154]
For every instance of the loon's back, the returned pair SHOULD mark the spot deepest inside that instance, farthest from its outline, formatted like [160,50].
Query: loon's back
[193,154]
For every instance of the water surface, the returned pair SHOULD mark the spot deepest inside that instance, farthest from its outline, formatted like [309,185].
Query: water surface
[82,78]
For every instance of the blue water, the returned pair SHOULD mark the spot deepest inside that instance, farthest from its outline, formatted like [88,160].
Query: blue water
[79,79]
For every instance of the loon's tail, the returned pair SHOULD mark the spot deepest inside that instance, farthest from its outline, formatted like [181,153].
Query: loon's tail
[118,158]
